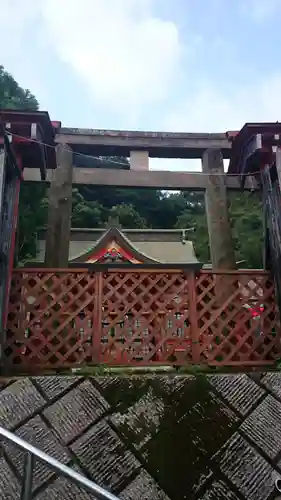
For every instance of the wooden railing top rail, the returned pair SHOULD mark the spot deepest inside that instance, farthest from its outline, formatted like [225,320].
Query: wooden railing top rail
[261,272]
[42,270]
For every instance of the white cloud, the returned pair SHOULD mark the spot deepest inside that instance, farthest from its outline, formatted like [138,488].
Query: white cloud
[260,10]
[20,23]
[126,55]
[15,14]
[130,59]
[214,109]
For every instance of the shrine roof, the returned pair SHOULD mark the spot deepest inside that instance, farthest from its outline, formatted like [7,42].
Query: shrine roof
[146,246]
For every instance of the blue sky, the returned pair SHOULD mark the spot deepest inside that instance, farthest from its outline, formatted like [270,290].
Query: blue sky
[179,65]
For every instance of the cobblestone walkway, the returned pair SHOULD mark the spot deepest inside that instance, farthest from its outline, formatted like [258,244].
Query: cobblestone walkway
[147,438]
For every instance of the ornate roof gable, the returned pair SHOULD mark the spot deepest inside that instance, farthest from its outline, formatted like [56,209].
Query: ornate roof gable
[113,246]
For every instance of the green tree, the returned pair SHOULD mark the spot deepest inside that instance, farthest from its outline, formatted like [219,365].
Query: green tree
[85,213]
[246,221]
[32,205]
[247,226]
[12,96]
[196,217]
[128,216]
[172,205]
[33,210]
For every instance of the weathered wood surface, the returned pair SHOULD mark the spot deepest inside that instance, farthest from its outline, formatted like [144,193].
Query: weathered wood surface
[133,178]
[222,247]
[73,318]
[158,144]
[59,210]
[154,438]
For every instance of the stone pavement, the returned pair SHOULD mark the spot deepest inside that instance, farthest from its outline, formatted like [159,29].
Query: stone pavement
[147,437]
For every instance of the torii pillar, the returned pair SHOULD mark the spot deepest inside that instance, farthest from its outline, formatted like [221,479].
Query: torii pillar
[217,211]
[59,212]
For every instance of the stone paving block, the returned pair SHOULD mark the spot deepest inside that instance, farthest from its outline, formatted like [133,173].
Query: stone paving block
[19,401]
[143,488]
[196,423]
[53,386]
[218,491]
[63,489]
[238,390]
[256,376]
[177,463]
[107,381]
[174,385]
[272,381]
[185,442]
[76,410]
[122,392]
[37,433]
[246,469]
[9,485]
[105,457]
[263,426]
[191,395]
[4,382]
[142,420]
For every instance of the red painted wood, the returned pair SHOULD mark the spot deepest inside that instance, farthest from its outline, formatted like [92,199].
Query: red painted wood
[68,318]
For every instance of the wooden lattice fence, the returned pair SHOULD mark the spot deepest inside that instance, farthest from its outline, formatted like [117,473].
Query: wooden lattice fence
[67,318]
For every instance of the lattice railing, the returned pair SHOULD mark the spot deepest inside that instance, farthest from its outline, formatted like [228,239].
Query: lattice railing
[237,318]
[145,318]
[67,318]
[47,312]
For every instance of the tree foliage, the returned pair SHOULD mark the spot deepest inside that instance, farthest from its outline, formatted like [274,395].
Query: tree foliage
[12,96]
[33,204]
[135,208]
[247,228]
[128,216]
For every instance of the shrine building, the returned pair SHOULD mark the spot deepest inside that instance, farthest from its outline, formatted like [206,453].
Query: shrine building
[134,246]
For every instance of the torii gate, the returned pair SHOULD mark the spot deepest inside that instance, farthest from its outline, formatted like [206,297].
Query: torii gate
[72,144]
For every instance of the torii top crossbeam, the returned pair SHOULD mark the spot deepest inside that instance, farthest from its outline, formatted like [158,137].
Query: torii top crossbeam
[30,131]
[157,144]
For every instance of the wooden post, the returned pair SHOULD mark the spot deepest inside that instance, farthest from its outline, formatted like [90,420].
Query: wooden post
[2,176]
[60,206]
[3,283]
[193,317]
[139,160]
[97,318]
[278,166]
[219,227]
